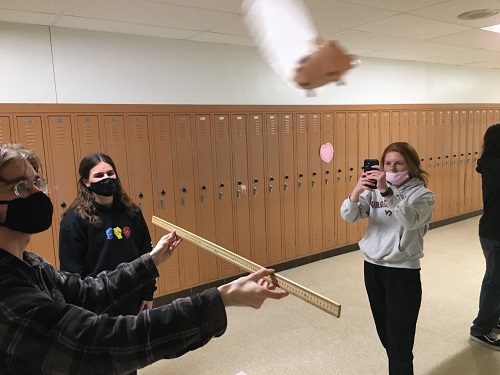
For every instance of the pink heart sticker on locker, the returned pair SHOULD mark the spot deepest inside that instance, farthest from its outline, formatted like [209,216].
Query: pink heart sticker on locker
[326,152]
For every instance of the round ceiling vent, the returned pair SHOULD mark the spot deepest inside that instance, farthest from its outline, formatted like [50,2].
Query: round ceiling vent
[478,14]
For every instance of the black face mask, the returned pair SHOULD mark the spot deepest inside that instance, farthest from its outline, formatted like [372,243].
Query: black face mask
[29,215]
[105,187]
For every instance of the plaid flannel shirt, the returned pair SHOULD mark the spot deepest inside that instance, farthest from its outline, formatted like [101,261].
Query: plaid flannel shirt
[53,322]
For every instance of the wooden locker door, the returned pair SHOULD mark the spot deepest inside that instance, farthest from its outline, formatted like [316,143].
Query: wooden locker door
[476,150]
[394,127]
[115,146]
[288,181]
[140,170]
[462,149]
[257,184]
[368,145]
[421,144]
[429,138]
[330,211]
[340,167]
[63,167]
[446,163]
[473,118]
[6,135]
[385,130]
[413,129]
[205,194]
[438,165]
[315,192]
[303,181]
[225,191]
[353,168]
[87,137]
[140,166]
[273,191]
[375,141]
[185,195]
[454,164]
[404,127]
[30,133]
[479,119]
[164,196]
[240,184]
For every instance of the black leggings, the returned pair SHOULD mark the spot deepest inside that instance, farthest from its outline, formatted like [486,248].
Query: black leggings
[395,295]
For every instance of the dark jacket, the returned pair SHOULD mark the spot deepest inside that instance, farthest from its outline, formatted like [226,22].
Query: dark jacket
[489,224]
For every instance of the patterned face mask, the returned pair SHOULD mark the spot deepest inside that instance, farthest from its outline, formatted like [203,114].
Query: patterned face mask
[105,187]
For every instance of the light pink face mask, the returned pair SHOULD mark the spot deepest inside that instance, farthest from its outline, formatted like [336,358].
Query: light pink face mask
[398,178]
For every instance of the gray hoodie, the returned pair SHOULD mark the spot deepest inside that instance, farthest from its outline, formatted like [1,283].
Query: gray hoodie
[396,228]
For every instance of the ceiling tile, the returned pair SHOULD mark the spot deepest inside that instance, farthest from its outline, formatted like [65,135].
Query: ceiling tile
[448,11]
[412,27]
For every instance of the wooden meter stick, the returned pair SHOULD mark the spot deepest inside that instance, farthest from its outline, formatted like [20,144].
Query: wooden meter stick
[291,287]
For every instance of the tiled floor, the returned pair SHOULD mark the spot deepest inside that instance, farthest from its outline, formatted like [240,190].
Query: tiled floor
[291,337]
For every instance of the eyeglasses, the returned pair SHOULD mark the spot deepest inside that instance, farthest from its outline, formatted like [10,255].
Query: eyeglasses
[24,188]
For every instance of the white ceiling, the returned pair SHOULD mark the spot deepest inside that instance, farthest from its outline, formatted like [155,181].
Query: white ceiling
[419,30]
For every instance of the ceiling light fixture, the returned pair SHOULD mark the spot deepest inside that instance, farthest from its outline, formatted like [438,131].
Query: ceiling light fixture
[478,14]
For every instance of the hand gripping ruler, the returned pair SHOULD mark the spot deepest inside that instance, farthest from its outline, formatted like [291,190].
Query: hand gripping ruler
[291,287]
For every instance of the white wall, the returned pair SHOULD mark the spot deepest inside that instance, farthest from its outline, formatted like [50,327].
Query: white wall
[58,65]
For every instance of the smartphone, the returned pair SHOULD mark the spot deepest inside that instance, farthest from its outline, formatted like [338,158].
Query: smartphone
[367,166]
[368,163]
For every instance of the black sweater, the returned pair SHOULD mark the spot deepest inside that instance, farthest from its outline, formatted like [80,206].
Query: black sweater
[489,224]
[88,250]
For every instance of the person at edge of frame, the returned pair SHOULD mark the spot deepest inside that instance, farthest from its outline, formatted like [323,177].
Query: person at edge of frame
[51,321]
[487,322]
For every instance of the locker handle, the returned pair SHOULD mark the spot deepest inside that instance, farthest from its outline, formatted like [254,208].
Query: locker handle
[285,186]
[221,196]
[326,181]
[254,191]
[270,188]
[203,198]
[313,183]
[300,185]
[238,193]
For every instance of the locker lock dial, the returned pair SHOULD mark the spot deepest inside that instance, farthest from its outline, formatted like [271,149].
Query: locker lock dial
[162,192]
[286,177]
[271,178]
[221,184]
[255,180]
[301,175]
[141,195]
[203,187]
[63,204]
[184,190]
[239,182]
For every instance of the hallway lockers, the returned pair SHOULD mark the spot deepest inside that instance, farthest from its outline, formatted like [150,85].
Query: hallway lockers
[248,178]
